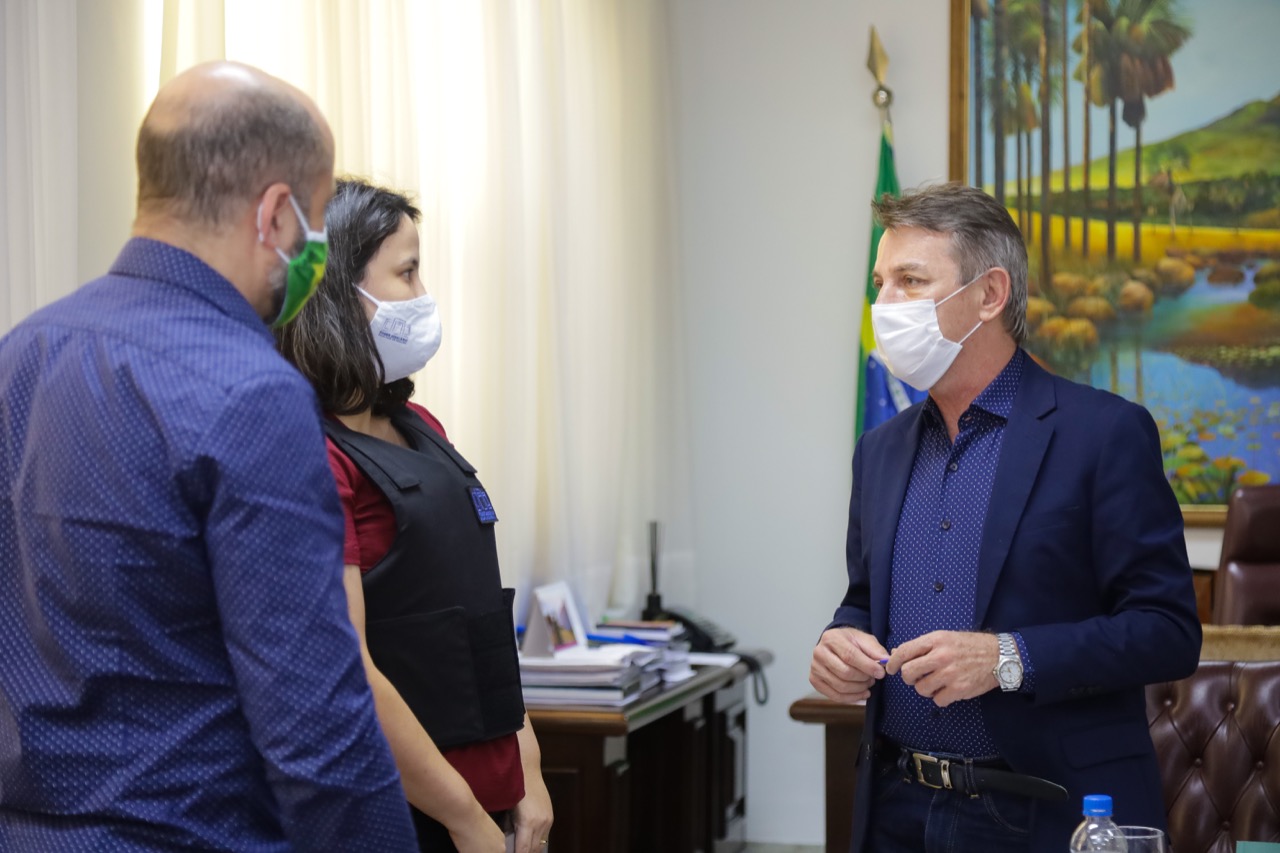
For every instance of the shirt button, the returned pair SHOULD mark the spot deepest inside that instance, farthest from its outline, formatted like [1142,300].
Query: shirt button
[938,586]
[946,524]
[953,467]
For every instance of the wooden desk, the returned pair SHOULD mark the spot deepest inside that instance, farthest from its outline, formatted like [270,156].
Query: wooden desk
[842,735]
[666,773]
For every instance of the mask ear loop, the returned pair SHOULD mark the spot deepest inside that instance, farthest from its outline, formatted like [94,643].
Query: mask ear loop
[367,295]
[971,331]
[962,287]
[261,237]
[314,236]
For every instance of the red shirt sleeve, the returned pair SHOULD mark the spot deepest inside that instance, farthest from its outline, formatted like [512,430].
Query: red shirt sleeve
[370,520]
[348,477]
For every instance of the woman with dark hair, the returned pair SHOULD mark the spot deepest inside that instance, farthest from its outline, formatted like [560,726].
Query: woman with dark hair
[422,579]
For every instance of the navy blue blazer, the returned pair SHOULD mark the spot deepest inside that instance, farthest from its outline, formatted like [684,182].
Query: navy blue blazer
[1083,553]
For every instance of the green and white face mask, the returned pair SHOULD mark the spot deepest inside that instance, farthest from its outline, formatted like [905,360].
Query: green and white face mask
[305,270]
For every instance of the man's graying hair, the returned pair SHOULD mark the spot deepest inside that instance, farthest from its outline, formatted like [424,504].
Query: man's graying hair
[228,153]
[983,235]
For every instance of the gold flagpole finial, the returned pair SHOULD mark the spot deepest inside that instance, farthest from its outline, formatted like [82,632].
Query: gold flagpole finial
[878,63]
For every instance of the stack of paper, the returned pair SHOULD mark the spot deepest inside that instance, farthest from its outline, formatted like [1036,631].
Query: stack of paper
[611,675]
[645,631]
[662,635]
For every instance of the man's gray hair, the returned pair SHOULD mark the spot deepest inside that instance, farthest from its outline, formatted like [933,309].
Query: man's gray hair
[205,166]
[983,235]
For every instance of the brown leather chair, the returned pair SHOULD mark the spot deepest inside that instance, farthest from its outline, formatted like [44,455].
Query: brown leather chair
[1246,587]
[1217,736]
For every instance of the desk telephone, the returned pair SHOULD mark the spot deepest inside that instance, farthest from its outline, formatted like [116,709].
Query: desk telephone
[706,636]
[703,634]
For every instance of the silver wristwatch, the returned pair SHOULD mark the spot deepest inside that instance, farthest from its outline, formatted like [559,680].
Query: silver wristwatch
[1008,671]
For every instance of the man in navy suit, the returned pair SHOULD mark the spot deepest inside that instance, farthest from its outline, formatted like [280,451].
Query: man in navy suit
[1017,567]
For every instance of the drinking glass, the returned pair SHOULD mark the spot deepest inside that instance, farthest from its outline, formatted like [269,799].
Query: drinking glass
[1144,839]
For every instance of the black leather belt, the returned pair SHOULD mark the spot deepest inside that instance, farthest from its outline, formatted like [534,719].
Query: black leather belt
[969,777]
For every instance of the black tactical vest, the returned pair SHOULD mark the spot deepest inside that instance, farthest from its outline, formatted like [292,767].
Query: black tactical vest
[437,620]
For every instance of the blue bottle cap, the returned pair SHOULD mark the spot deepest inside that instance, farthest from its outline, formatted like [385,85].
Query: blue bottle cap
[1097,804]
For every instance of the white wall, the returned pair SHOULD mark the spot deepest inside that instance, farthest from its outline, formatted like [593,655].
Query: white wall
[776,144]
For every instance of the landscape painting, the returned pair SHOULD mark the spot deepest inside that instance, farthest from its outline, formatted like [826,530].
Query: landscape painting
[1137,145]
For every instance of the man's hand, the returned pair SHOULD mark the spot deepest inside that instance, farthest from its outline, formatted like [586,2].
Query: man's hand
[846,662]
[947,666]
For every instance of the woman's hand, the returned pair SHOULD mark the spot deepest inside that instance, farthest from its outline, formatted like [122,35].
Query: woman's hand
[533,815]
[479,834]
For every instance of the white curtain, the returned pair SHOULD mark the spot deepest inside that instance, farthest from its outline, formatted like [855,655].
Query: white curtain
[37,155]
[534,137]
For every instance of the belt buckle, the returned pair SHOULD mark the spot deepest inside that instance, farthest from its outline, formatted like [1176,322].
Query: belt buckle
[944,769]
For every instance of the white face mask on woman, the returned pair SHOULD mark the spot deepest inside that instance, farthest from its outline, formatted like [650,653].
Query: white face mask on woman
[406,333]
[911,342]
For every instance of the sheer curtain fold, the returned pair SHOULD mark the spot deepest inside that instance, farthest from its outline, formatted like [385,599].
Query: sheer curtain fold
[37,155]
[534,137]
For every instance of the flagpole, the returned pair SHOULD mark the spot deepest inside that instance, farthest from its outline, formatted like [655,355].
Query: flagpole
[880,396]
[886,180]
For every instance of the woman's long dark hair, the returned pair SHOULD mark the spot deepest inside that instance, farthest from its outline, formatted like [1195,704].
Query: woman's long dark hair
[329,341]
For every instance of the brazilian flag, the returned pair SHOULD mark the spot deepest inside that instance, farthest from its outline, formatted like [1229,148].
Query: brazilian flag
[882,396]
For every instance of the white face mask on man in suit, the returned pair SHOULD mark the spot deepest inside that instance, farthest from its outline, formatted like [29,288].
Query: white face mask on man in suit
[911,342]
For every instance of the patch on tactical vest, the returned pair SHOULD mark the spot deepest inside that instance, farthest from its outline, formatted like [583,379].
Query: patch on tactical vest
[484,508]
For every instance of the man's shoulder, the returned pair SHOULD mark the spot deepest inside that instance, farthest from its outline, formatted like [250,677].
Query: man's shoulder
[166,344]
[1072,396]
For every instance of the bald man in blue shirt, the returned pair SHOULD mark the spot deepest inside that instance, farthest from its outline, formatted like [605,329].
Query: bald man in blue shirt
[178,669]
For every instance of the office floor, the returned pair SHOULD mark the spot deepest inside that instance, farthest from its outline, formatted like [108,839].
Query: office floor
[784,848]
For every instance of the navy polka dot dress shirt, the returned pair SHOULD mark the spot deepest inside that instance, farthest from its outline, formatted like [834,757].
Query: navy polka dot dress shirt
[935,562]
[177,668]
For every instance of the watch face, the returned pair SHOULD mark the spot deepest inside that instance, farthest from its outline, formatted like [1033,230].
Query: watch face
[1010,673]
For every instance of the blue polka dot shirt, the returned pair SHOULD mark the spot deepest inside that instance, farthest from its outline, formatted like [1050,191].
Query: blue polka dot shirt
[935,562]
[177,668]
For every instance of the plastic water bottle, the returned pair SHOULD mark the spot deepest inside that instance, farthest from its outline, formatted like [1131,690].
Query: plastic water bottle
[1098,833]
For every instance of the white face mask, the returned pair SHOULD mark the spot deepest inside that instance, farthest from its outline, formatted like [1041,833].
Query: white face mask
[406,334]
[911,342]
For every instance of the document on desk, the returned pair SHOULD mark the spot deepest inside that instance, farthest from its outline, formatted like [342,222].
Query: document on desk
[712,659]
[602,657]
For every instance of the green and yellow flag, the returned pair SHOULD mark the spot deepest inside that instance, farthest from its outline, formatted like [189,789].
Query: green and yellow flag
[881,396]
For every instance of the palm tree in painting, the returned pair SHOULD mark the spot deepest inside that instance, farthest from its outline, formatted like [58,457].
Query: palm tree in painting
[1026,118]
[980,11]
[1083,42]
[1150,32]
[1064,56]
[1023,31]
[999,62]
[1101,71]
[1046,146]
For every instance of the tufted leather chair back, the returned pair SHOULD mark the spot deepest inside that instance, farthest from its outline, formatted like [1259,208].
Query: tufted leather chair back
[1246,587]
[1217,737]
